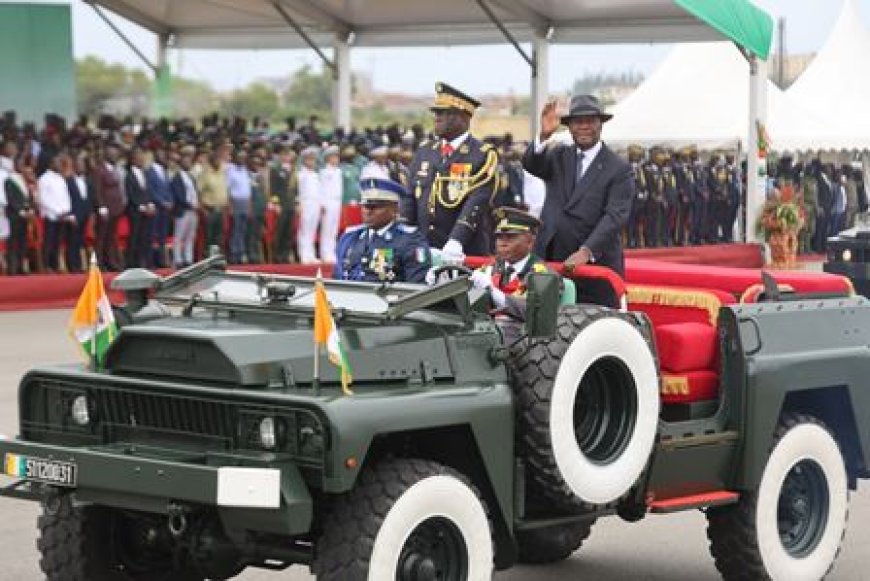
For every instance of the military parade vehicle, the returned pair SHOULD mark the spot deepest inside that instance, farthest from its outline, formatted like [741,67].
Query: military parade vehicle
[848,254]
[206,443]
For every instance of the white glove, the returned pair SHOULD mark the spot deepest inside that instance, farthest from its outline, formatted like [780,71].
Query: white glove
[103,211]
[452,252]
[480,280]
[431,279]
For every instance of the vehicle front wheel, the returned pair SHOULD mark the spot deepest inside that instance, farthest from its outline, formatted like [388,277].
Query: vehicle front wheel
[406,520]
[792,526]
[97,543]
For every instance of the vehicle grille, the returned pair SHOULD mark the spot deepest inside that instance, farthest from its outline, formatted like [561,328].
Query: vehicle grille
[138,416]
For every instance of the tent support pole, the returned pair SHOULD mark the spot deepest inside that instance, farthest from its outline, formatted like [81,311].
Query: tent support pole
[341,111]
[756,166]
[154,68]
[295,26]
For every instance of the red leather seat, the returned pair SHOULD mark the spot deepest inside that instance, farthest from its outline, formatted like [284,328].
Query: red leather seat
[686,346]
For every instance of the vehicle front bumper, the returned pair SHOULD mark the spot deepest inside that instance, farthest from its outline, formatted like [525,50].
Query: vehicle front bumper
[249,490]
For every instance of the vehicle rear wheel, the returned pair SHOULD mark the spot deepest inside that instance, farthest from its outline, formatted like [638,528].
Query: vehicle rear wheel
[95,543]
[587,407]
[792,526]
[406,520]
[552,544]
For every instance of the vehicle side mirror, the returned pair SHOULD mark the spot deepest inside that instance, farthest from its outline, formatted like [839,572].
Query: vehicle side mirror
[542,304]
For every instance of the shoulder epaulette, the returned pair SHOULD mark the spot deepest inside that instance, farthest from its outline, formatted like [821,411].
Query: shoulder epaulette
[540,267]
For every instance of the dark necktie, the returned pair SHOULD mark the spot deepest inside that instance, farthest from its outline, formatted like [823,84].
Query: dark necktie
[506,275]
[579,175]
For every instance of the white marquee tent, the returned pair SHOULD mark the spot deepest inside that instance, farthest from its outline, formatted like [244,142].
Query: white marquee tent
[838,82]
[700,95]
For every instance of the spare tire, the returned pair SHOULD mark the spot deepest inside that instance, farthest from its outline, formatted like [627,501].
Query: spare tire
[587,406]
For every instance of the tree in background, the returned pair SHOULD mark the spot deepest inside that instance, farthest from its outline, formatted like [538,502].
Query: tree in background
[255,100]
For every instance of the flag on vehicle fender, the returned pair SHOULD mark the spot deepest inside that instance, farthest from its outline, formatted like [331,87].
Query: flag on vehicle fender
[92,323]
[326,334]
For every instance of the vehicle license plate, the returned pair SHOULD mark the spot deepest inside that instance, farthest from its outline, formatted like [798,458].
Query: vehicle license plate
[40,469]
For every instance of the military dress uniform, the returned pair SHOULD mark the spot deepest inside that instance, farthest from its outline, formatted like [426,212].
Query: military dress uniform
[452,190]
[395,253]
[637,214]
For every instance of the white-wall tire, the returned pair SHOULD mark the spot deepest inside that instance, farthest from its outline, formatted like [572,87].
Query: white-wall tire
[368,534]
[594,481]
[805,452]
[598,360]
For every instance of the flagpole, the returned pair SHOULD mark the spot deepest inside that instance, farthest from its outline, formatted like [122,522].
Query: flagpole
[94,361]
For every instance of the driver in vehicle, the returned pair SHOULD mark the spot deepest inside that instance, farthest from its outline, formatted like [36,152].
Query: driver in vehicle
[382,249]
[505,279]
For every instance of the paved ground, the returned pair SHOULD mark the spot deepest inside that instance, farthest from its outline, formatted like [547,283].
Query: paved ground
[658,549]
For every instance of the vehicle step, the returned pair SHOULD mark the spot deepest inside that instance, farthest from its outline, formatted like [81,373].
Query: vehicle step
[714,498]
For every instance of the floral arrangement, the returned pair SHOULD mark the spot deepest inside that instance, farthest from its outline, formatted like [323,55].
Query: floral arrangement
[781,213]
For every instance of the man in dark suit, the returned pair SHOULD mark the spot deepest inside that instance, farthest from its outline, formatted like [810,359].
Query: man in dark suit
[589,194]
[452,181]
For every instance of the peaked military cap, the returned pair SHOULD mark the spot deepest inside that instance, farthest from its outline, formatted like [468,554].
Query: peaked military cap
[513,220]
[447,97]
[380,190]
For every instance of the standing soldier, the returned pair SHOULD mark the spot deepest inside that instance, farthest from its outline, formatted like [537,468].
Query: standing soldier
[637,215]
[810,197]
[257,221]
[669,193]
[701,207]
[734,197]
[718,198]
[685,179]
[282,185]
[453,180]
[655,208]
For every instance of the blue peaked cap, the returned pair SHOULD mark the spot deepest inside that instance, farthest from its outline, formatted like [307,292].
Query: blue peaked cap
[380,190]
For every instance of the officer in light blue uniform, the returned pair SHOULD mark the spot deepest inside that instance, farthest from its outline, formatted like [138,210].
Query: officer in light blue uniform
[382,249]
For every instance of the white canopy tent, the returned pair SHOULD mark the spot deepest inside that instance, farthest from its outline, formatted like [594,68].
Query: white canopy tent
[699,95]
[838,81]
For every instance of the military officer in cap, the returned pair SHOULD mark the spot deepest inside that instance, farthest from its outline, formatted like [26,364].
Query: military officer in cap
[452,180]
[382,249]
[505,280]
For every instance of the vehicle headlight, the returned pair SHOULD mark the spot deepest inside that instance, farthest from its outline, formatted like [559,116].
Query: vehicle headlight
[80,410]
[847,255]
[268,433]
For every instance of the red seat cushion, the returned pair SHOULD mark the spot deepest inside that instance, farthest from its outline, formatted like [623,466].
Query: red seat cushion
[686,346]
[690,386]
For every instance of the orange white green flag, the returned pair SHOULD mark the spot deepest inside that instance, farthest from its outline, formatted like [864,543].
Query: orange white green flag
[326,334]
[92,323]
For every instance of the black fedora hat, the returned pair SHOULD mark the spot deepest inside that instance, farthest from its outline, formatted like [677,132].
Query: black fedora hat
[585,106]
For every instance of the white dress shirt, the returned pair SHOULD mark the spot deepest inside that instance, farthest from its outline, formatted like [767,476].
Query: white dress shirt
[54,202]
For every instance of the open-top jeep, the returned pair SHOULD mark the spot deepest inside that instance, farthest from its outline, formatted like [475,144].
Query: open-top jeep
[204,446]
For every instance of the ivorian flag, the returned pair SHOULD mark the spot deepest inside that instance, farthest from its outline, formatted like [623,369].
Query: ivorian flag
[326,333]
[92,323]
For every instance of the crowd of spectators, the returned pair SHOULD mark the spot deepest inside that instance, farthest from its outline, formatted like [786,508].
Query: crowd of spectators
[158,194]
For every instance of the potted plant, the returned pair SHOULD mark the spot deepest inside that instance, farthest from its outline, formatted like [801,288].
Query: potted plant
[782,218]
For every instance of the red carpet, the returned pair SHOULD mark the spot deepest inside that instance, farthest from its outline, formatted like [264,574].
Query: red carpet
[739,255]
[55,291]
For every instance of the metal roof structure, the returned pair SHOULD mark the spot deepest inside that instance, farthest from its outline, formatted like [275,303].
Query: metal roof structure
[256,24]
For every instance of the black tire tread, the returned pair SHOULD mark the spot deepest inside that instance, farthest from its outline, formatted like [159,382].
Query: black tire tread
[534,364]
[349,531]
[552,544]
[731,529]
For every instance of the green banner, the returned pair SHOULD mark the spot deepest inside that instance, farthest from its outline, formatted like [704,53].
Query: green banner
[162,103]
[739,20]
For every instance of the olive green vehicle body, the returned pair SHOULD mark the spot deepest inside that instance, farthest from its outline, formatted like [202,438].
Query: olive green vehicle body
[183,395]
